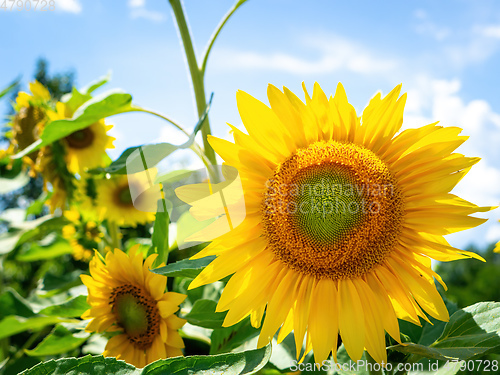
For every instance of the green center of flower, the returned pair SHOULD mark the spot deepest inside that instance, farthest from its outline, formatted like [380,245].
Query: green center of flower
[124,196]
[327,204]
[137,313]
[332,210]
[131,314]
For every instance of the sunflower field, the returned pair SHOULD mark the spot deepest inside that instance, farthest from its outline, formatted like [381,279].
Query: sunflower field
[310,240]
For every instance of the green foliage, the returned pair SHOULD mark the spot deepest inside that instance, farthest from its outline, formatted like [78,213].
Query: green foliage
[242,363]
[470,333]
[184,268]
[203,314]
[471,281]
[61,340]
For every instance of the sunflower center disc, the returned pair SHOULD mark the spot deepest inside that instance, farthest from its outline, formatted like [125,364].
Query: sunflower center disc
[332,210]
[124,196]
[137,313]
[81,138]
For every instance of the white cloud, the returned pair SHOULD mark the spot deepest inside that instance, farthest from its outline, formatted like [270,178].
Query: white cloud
[492,31]
[137,3]
[151,15]
[71,6]
[335,53]
[138,10]
[425,26]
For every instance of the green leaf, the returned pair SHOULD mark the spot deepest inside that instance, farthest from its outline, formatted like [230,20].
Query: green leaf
[37,252]
[471,332]
[160,233]
[60,340]
[92,86]
[13,325]
[248,362]
[244,363]
[75,100]
[13,304]
[203,314]
[184,268]
[10,87]
[131,160]
[73,308]
[8,185]
[228,338]
[105,105]
[91,365]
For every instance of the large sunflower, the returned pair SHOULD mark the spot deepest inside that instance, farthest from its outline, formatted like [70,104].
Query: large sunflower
[127,299]
[85,148]
[343,216]
[128,200]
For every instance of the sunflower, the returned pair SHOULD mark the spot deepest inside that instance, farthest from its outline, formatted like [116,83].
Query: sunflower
[128,200]
[128,300]
[29,120]
[85,148]
[82,235]
[343,216]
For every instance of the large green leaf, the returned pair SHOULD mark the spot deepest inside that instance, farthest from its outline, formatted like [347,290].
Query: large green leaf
[247,362]
[37,252]
[243,363]
[13,304]
[203,314]
[13,325]
[105,105]
[132,159]
[471,332]
[73,308]
[60,340]
[184,268]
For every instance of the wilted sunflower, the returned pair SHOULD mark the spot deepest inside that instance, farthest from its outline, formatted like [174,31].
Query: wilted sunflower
[85,148]
[128,200]
[342,219]
[127,299]
[30,118]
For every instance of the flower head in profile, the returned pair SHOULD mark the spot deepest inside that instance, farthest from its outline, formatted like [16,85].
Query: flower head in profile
[343,217]
[30,118]
[129,301]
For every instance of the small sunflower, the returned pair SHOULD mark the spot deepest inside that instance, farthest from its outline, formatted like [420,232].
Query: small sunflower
[128,200]
[343,216]
[127,299]
[85,148]
[83,236]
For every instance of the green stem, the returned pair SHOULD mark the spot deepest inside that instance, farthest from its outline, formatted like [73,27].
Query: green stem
[216,34]
[196,75]
[114,233]
[164,118]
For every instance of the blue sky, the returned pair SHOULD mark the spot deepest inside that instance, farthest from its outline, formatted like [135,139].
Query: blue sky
[445,53]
